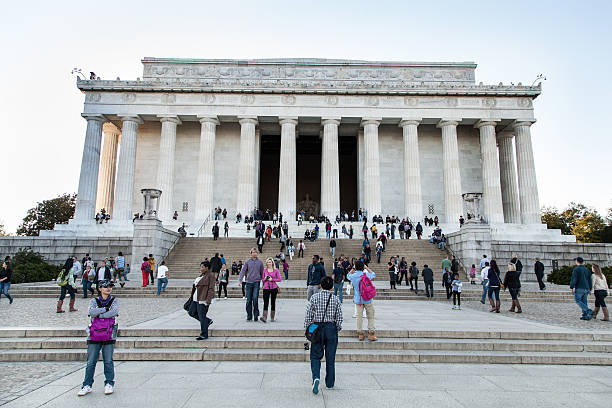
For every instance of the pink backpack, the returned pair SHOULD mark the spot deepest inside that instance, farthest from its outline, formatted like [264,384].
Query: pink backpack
[366,288]
[101,329]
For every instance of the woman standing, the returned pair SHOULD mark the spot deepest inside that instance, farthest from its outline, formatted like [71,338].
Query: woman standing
[88,277]
[513,283]
[392,273]
[600,287]
[102,311]
[286,269]
[270,276]
[5,281]
[65,280]
[146,269]
[223,279]
[226,230]
[494,285]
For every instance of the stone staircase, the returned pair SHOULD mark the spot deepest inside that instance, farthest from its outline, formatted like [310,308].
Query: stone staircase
[407,346]
[185,258]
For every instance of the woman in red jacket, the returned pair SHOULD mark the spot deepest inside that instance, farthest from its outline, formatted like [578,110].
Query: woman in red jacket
[145,267]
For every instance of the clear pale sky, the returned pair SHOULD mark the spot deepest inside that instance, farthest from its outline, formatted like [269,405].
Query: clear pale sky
[568,41]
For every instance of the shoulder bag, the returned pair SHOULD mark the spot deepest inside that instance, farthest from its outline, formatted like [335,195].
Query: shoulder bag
[313,331]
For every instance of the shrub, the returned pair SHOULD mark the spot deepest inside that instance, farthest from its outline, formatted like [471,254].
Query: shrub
[563,275]
[30,266]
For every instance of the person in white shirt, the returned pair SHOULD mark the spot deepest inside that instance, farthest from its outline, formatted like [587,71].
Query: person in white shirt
[483,261]
[484,279]
[162,277]
[78,268]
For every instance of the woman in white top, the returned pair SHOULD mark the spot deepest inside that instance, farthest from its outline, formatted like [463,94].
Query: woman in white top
[600,288]
[162,277]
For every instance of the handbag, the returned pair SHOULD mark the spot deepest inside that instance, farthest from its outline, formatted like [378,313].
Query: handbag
[313,331]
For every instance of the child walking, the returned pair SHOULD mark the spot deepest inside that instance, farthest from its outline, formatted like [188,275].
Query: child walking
[473,275]
[456,284]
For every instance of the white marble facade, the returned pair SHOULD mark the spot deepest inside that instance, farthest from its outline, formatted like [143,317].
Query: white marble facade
[211,110]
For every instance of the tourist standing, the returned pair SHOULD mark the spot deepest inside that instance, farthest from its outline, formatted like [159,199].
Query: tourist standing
[65,280]
[355,277]
[403,267]
[5,280]
[316,272]
[600,288]
[473,275]
[538,268]
[226,230]
[87,281]
[286,269]
[145,268]
[103,310]
[392,273]
[151,261]
[513,284]
[215,265]
[252,272]
[270,277]
[338,276]
[291,250]
[202,294]
[428,280]
[121,268]
[494,286]
[324,308]
[332,247]
[223,280]
[260,243]
[581,284]
[414,276]
[162,277]
[215,231]
[419,230]
[301,248]
[484,280]
[457,285]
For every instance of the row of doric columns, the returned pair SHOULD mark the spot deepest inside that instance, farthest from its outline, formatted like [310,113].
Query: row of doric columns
[504,200]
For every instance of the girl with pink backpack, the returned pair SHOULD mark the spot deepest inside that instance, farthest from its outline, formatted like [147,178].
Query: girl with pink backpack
[101,336]
[361,279]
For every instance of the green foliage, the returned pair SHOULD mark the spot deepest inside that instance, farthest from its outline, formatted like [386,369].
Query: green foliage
[563,275]
[579,220]
[2,230]
[48,213]
[30,266]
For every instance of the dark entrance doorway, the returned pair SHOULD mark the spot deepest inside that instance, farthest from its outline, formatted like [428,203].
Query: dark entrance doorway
[308,169]
[347,152]
[268,172]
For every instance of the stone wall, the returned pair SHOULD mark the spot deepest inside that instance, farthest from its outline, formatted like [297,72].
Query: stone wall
[151,238]
[56,250]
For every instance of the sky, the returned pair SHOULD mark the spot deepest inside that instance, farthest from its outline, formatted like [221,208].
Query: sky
[570,42]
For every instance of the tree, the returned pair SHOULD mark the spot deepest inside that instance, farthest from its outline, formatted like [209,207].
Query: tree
[554,220]
[589,227]
[2,230]
[48,213]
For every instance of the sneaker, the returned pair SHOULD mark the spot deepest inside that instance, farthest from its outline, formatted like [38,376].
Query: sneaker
[454,307]
[354,316]
[315,386]
[226,297]
[108,389]
[201,338]
[244,297]
[84,391]
[459,307]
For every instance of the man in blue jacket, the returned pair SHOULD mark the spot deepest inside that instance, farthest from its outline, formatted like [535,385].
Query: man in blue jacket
[316,272]
[581,284]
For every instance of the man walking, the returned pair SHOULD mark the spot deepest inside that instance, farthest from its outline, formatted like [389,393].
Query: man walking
[428,279]
[252,270]
[538,268]
[581,285]
[301,248]
[215,265]
[316,272]
[324,308]
[332,247]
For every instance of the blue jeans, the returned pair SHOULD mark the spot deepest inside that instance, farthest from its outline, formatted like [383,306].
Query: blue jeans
[4,289]
[252,300]
[93,352]
[86,287]
[161,285]
[580,297]
[338,288]
[328,345]
[327,234]
[442,245]
[485,290]
[204,321]
[494,293]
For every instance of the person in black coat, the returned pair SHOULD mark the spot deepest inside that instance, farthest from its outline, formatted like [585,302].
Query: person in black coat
[513,284]
[538,268]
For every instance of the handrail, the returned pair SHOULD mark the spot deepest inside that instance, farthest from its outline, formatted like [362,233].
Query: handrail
[206,220]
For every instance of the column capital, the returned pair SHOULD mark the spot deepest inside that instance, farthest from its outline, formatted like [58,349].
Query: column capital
[506,134]
[131,118]
[448,122]
[370,121]
[109,127]
[208,119]
[170,118]
[527,122]
[409,121]
[247,119]
[330,121]
[94,116]
[486,122]
[292,120]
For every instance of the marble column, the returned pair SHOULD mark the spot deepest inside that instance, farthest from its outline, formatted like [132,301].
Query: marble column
[287,170]
[108,166]
[124,186]
[360,169]
[257,167]
[453,203]
[507,175]
[165,166]
[493,209]
[206,169]
[85,209]
[246,170]
[527,182]
[371,172]
[413,205]
[330,171]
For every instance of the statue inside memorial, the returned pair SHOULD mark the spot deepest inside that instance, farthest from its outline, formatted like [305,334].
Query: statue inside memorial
[309,206]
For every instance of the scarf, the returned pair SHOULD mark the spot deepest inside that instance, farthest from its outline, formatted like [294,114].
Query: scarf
[104,303]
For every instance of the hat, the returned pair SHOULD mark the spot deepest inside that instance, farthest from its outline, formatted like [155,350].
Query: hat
[579,260]
[106,284]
